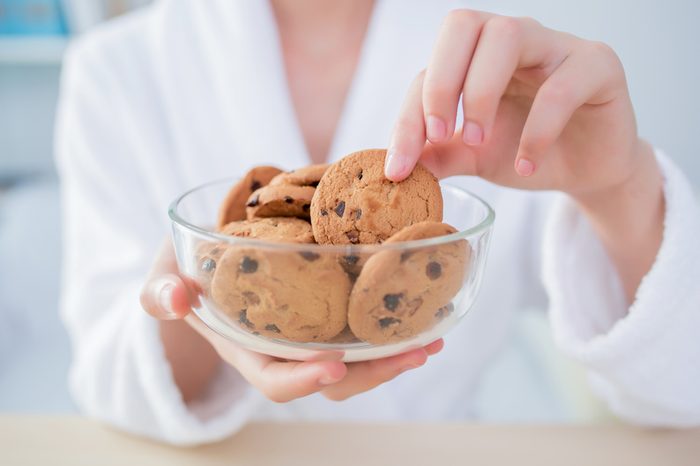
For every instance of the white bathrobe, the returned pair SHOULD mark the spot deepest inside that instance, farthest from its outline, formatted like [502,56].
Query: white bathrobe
[191,90]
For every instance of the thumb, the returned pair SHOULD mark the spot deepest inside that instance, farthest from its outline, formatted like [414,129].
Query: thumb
[165,295]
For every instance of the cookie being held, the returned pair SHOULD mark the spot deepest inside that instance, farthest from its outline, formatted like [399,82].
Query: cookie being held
[356,204]
[233,207]
[402,293]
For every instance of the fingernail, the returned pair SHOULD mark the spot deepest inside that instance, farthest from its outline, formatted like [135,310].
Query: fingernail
[435,128]
[524,167]
[472,134]
[394,165]
[165,298]
[328,380]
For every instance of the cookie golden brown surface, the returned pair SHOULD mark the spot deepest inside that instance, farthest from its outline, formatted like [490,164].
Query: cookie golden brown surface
[401,293]
[356,204]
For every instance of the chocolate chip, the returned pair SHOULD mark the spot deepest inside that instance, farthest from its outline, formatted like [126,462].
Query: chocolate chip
[309,256]
[306,207]
[324,212]
[253,202]
[351,260]
[405,255]
[385,322]
[248,265]
[358,214]
[208,265]
[353,236]
[391,301]
[340,209]
[444,310]
[314,184]
[359,175]
[433,270]
[288,199]
[243,319]
[255,185]
[272,328]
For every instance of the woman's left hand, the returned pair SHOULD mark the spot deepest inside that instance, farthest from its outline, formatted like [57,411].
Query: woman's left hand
[542,109]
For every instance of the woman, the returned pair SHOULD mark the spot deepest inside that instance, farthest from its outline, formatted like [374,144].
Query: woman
[184,91]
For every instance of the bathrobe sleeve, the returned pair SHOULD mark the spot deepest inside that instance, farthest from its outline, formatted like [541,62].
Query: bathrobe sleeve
[643,360]
[112,229]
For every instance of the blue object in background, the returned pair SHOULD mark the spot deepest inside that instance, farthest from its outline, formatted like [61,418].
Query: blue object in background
[32,17]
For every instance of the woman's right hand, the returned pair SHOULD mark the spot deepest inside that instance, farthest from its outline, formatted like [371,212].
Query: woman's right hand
[166,297]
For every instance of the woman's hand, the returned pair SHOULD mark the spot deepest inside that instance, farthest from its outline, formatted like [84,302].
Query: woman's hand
[542,110]
[166,297]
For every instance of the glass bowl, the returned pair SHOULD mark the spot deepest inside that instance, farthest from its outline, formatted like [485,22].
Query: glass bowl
[393,294]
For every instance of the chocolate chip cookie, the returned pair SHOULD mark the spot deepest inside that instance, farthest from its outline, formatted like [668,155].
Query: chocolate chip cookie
[296,296]
[401,293]
[284,229]
[355,203]
[306,176]
[280,201]
[233,207]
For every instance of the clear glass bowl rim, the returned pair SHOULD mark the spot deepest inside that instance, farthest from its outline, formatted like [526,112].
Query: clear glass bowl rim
[475,230]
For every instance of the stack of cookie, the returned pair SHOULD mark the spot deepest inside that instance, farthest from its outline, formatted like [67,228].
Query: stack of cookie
[306,293]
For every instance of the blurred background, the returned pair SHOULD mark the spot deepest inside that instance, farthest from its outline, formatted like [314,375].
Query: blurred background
[659,43]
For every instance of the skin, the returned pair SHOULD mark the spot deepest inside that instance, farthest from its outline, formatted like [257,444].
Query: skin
[544,110]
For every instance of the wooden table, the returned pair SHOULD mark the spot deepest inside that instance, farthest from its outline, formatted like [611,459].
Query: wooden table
[27,440]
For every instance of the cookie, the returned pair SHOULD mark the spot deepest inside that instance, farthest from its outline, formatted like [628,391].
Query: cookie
[284,229]
[355,203]
[280,201]
[402,293]
[296,296]
[207,257]
[233,207]
[307,176]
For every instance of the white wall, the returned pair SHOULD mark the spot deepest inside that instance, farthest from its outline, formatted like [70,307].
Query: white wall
[659,44]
